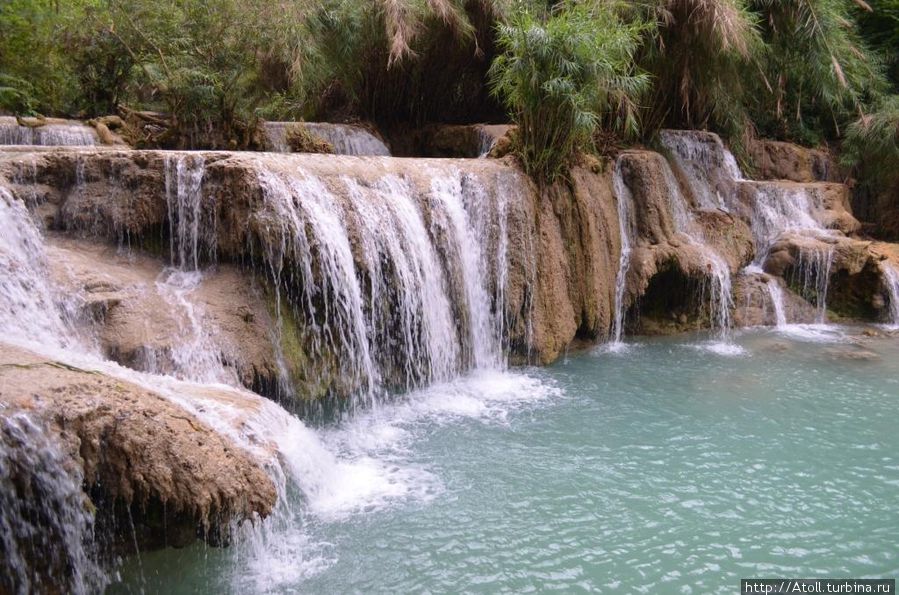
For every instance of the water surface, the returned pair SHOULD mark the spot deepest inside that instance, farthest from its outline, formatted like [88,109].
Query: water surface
[669,466]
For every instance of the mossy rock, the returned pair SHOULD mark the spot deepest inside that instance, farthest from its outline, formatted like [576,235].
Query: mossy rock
[300,140]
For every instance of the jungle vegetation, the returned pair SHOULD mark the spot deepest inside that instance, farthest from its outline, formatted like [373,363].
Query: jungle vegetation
[570,73]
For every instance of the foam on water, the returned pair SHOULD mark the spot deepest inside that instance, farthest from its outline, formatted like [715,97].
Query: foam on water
[723,348]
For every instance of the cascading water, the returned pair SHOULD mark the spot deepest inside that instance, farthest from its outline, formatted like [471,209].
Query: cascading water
[11,133]
[720,294]
[627,232]
[28,307]
[775,209]
[706,163]
[192,224]
[32,317]
[398,279]
[45,523]
[345,138]
[813,277]
[398,301]
[891,280]
[486,142]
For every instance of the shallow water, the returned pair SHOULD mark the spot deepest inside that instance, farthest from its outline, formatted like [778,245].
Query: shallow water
[669,466]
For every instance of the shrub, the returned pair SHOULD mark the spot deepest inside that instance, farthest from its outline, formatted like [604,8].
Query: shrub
[817,72]
[698,56]
[300,140]
[560,74]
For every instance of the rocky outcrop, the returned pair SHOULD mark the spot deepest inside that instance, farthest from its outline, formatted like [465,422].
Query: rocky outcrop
[852,278]
[777,160]
[753,305]
[143,314]
[137,450]
[562,244]
[669,267]
[577,262]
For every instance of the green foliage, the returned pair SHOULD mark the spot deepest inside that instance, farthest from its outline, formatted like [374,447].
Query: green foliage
[699,57]
[879,27]
[30,50]
[406,61]
[16,95]
[201,63]
[818,73]
[560,74]
[872,145]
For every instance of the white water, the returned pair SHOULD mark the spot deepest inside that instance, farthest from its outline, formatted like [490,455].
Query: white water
[626,232]
[400,301]
[11,133]
[486,142]
[891,280]
[345,138]
[701,161]
[44,520]
[720,294]
[814,276]
[345,470]
[28,304]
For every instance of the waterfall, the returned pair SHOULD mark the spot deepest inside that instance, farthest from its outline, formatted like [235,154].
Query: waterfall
[28,309]
[706,163]
[53,134]
[49,524]
[891,280]
[720,294]
[345,138]
[775,292]
[45,523]
[627,232]
[192,225]
[401,283]
[486,142]
[813,274]
[776,210]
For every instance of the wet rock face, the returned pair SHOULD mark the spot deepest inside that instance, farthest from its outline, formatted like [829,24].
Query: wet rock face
[665,254]
[136,449]
[578,253]
[753,304]
[143,314]
[561,248]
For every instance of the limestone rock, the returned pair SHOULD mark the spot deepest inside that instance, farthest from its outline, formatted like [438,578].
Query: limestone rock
[138,449]
[776,160]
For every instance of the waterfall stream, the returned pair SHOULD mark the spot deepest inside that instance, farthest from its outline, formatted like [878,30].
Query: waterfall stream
[345,138]
[45,523]
[402,302]
[720,294]
[398,280]
[627,232]
[53,134]
[891,280]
